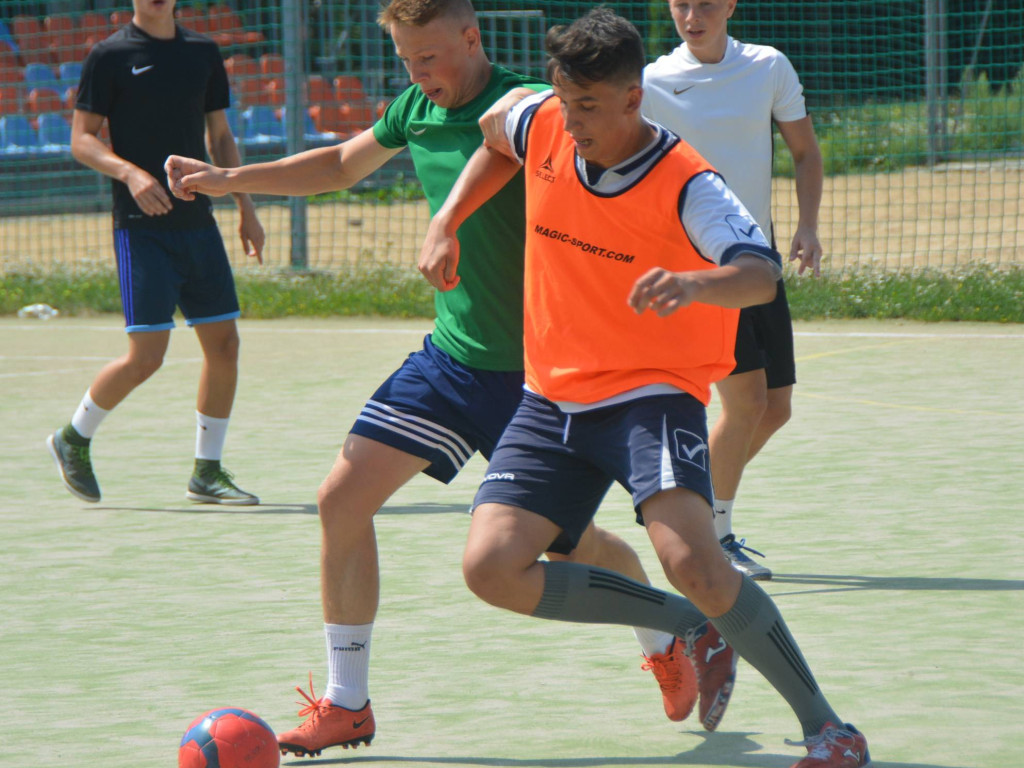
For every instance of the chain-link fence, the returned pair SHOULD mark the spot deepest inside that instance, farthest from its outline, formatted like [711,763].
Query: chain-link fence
[918,106]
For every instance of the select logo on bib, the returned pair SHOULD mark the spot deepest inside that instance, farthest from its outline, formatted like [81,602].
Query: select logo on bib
[545,171]
[691,448]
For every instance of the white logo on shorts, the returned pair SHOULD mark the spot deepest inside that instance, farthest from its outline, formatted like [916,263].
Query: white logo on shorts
[691,448]
[500,476]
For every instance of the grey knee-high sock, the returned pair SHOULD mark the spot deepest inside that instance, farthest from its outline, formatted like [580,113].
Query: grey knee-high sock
[755,628]
[590,595]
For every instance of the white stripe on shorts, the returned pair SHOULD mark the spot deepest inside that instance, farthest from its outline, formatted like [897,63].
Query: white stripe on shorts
[419,429]
[668,477]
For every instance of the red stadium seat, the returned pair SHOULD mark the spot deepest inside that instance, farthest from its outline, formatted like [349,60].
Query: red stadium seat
[272,64]
[32,40]
[42,100]
[9,103]
[119,18]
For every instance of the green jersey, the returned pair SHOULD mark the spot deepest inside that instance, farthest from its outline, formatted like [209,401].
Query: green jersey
[480,321]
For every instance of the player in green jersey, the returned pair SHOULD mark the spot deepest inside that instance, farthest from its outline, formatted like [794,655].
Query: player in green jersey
[456,395]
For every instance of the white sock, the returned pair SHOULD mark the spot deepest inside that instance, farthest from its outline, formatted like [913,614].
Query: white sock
[723,517]
[348,664]
[88,417]
[653,641]
[211,433]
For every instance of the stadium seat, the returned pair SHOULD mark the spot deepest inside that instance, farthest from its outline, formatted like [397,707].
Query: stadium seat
[32,41]
[54,133]
[246,80]
[310,133]
[348,88]
[6,38]
[70,73]
[70,97]
[260,125]
[227,29]
[42,100]
[275,91]
[193,18]
[10,68]
[63,38]
[39,75]
[10,104]
[272,65]
[119,19]
[317,91]
[93,28]
[17,136]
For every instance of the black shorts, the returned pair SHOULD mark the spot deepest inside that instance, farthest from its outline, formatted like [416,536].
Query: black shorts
[560,466]
[764,339]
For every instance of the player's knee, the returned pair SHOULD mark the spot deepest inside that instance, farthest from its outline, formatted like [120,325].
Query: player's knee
[750,408]
[697,575]
[486,577]
[776,414]
[140,366]
[225,351]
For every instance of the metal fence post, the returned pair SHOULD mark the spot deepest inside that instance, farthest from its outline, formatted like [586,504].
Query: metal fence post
[295,111]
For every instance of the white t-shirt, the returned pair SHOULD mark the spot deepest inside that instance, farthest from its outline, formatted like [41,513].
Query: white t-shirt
[725,111]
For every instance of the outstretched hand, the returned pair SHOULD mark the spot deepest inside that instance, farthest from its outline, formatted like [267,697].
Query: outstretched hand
[187,176]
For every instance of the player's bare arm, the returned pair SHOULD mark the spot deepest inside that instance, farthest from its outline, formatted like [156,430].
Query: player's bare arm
[492,122]
[809,172]
[89,150]
[324,169]
[223,149]
[745,281]
[484,175]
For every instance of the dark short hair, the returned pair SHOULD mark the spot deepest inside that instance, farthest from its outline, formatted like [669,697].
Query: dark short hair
[419,13]
[600,46]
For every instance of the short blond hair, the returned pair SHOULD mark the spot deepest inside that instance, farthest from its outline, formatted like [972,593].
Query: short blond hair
[418,13]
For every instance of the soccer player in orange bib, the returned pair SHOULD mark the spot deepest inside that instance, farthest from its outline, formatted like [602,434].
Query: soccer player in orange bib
[638,258]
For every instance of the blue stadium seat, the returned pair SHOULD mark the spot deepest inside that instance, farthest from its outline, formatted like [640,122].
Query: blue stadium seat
[54,133]
[37,75]
[261,126]
[70,74]
[17,137]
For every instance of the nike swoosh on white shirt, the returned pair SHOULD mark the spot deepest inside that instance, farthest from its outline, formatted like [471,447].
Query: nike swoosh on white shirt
[140,70]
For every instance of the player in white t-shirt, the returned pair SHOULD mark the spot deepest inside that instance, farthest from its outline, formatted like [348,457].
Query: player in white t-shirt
[722,96]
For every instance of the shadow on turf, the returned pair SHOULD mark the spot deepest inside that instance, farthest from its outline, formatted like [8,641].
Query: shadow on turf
[269,508]
[837,583]
[732,750]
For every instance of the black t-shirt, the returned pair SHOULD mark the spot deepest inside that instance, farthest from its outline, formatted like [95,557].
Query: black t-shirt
[155,95]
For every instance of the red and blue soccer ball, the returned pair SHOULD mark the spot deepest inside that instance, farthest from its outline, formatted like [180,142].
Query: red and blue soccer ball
[229,738]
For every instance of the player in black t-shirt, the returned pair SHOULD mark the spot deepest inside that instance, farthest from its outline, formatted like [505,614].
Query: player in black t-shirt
[162,90]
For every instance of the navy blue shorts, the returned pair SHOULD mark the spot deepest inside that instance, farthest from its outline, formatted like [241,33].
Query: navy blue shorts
[764,339]
[160,270]
[441,410]
[561,465]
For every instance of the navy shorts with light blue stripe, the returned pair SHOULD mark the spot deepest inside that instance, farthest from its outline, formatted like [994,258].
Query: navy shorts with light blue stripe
[160,270]
[561,465]
[440,410]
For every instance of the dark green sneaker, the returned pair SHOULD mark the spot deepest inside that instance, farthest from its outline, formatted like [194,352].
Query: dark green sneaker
[73,463]
[212,484]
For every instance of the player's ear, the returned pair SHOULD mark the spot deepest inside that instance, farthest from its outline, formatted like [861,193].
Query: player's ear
[634,98]
[471,35]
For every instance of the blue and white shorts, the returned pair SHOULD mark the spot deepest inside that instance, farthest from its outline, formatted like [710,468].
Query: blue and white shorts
[161,269]
[441,410]
[560,466]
